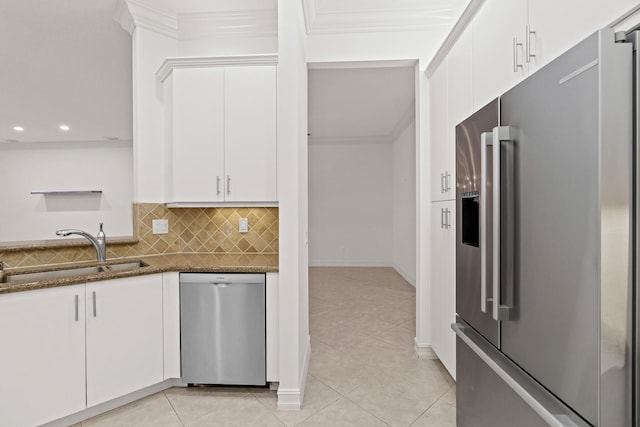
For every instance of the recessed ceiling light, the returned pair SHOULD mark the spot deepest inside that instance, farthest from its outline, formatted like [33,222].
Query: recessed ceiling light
[18,128]
[64,127]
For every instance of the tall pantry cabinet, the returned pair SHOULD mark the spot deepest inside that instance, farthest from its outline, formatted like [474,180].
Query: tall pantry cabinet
[450,102]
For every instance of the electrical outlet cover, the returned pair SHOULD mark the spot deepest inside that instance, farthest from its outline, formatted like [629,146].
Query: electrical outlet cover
[160,226]
[243,225]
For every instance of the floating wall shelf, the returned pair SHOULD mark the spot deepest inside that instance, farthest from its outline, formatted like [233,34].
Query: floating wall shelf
[69,193]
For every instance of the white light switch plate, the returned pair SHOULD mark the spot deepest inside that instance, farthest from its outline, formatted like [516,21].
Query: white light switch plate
[160,226]
[243,225]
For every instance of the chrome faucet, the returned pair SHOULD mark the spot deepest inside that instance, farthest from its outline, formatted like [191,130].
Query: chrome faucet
[99,242]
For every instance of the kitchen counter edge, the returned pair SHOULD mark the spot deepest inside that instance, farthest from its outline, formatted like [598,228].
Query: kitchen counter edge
[156,264]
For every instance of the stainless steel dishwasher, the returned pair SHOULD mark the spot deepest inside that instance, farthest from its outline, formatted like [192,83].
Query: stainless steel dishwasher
[222,326]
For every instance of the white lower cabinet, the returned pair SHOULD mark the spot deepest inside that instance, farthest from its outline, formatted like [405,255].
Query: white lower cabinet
[124,336]
[171,324]
[69,348]
[443,282]
[42,360]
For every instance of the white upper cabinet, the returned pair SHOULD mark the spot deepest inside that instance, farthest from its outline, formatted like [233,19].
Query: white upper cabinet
[498,48]
[124,336]
[220,130]
[197,150]
[250,133]
[460,79]
[559,25]
[441,163]
[42,358]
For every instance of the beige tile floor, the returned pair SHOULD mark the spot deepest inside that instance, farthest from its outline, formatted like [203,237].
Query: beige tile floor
[362,371]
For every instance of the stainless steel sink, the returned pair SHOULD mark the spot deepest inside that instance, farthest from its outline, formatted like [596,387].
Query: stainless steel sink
[126,266]
[18,277]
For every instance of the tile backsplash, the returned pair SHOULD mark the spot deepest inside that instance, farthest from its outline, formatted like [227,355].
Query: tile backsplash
[191,230]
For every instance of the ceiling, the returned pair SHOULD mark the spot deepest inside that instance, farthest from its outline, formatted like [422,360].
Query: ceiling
[71,64]
[205,6]
[368,104]
[360,104]
[68,62]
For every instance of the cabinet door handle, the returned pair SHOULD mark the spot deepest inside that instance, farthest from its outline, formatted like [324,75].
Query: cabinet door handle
[218,185]
[77,314]
[447,182]
[441,218]
[528,44]
[95,312]
[516,65]
[447,218]
[441,182]
[228,184]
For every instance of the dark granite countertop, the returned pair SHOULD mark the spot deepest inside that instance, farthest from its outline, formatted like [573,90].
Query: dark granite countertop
[232,263]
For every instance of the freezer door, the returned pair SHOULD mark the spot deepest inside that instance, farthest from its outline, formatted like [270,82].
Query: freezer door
[492,392]
[472,236]
[565,228]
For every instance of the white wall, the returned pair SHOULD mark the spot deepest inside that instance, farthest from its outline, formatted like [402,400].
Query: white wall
[403,254]
[383,45]
[57,166]
[293,206]
[362,204]
[350,197]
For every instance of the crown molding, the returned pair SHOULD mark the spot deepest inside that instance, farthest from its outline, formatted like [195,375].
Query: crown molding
[414,18]
[171,64]
[252,23]
[309,11]
[123,16]
[158,21]
[190,26]
[455,33]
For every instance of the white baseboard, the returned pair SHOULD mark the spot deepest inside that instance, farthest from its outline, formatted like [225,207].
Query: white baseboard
[406,276]
[115,403]
[423,351]
[291,399]
[329,263]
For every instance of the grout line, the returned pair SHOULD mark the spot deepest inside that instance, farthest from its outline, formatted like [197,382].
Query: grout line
[373,415]
[430,406]
[173,408]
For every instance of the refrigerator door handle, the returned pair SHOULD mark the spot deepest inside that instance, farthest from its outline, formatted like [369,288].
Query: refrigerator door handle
[486,140]
[500,311]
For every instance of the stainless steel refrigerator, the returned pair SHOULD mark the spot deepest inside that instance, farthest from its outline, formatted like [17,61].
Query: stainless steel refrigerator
[546,244]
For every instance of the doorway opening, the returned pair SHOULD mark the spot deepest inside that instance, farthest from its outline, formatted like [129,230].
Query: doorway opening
[362,205]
